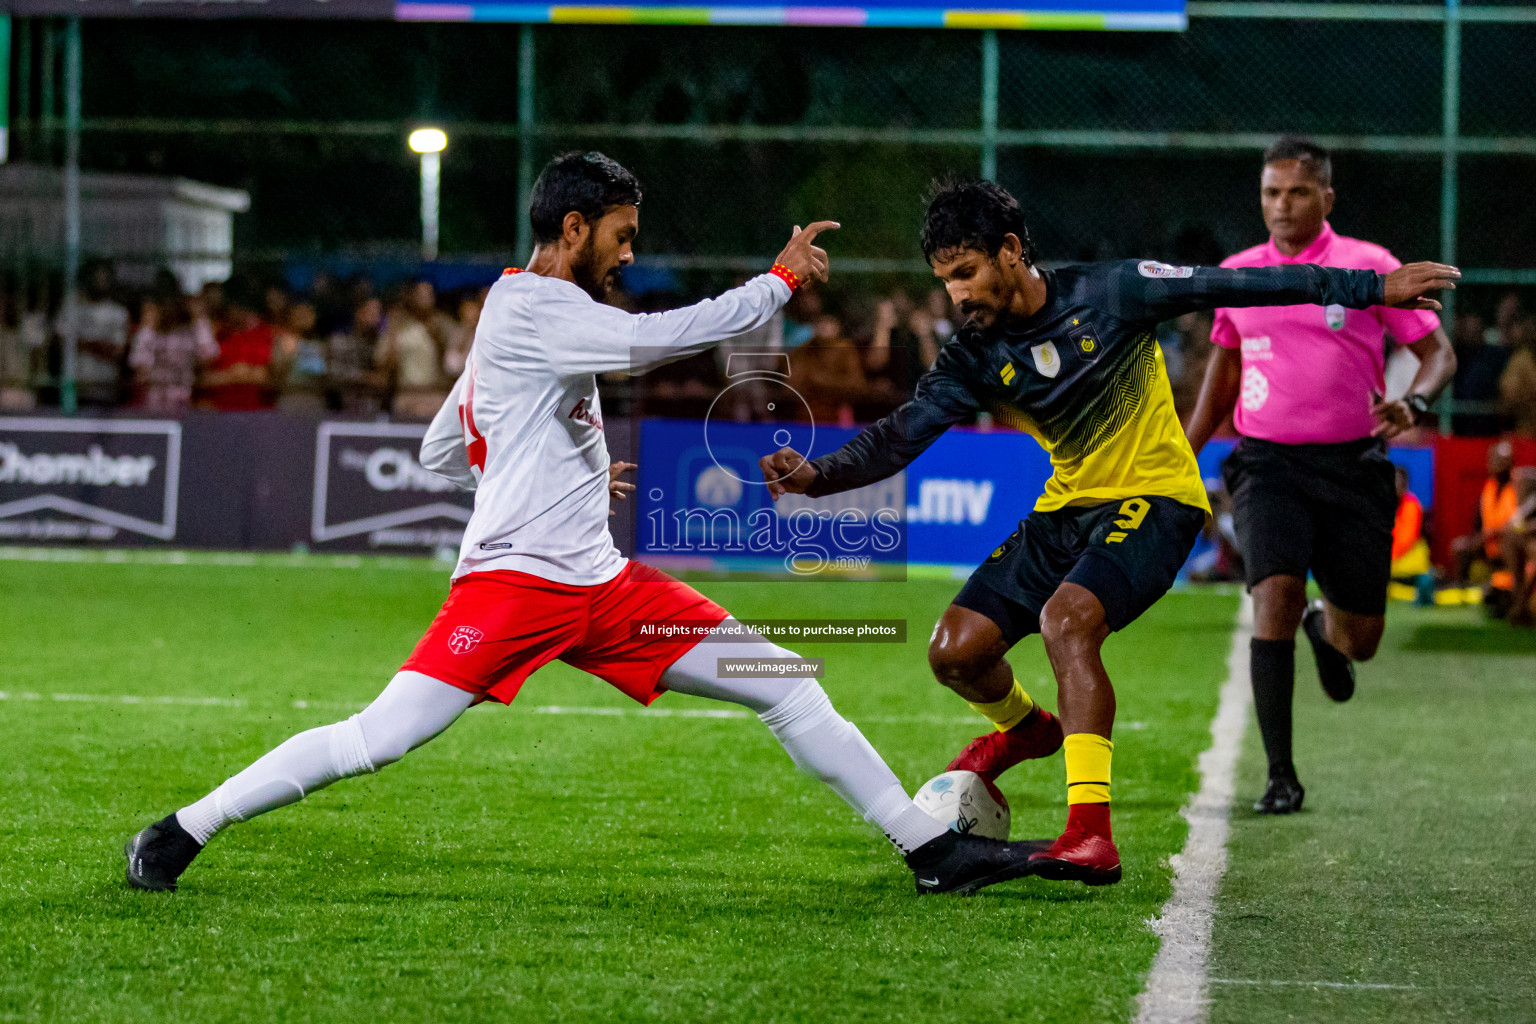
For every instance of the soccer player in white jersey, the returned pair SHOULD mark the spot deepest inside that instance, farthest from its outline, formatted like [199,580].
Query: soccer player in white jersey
[539,578]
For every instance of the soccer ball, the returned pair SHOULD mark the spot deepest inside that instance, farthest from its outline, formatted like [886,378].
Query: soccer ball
[965,802]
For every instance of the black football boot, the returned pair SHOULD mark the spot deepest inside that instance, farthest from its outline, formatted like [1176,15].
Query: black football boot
[961,864]
[159,854]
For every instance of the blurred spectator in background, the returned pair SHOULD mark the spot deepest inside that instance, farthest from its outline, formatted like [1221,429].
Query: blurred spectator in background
[1481,355]
[1186,345]
[332,307]
[904,347]
[101,332]
[298,361]
[215,308]
[939,315]
[1410,552]
[274,304]
[1518,543]
[1495,508]
[18,348]
[744,394]
[828,373]
[1216,557]
[411,350]
[356,387]
[173,342]
[1517,384]
[800,314]
[463,338]
[240,379]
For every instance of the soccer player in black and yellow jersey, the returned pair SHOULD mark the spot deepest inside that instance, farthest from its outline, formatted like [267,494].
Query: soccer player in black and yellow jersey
[1069,356]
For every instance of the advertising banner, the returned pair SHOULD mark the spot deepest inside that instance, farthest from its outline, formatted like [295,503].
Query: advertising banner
[703,503]
[1077,15]
[380,9]
[102,481]
[959,500]
[370,493]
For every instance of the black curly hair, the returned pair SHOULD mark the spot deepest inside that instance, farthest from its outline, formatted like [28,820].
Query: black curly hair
[964,213]
[589,183]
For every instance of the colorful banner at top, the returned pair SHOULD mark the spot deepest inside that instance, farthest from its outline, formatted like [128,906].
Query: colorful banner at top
[1070,15]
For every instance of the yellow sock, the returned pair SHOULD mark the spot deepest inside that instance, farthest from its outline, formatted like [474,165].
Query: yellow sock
[1010,711]
[1088,768]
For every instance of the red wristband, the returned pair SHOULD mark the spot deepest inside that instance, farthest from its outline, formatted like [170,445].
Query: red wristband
[786,275]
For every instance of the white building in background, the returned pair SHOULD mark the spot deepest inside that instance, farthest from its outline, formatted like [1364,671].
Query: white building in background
[139,221]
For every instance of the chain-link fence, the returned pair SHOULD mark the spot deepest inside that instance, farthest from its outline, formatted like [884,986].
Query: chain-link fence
[1117,143]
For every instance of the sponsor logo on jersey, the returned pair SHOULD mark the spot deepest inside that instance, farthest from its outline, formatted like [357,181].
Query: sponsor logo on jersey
[1151,268]
[1334,315]
[1255,389]
[586,414]
[1008,373]
[1257,349]
[464,639]
[1047,360]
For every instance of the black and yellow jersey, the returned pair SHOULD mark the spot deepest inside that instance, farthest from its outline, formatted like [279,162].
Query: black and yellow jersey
[1085,377]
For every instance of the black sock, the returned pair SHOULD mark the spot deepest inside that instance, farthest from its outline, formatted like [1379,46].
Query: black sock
[1272,664]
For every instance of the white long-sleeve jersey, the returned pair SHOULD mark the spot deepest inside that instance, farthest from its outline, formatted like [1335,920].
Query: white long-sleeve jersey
[523,426]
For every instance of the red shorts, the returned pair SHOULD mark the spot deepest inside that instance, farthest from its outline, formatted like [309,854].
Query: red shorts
[498,627]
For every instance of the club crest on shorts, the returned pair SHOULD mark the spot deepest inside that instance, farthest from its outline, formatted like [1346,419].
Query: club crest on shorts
[464,639]
[1047,359]
[1334,315]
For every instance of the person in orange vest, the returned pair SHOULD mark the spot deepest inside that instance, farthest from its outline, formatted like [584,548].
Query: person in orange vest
[1410,553]
[1518,544]
[1497,506]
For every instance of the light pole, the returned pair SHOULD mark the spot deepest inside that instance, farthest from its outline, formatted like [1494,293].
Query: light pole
[430,143]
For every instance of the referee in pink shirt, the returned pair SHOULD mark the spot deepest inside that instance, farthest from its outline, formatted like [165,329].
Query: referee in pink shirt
[1312,488]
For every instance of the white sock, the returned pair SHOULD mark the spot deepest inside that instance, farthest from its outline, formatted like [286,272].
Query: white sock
[412,709]
[825,744]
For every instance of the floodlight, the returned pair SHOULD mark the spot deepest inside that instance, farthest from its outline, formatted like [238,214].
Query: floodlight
[428,140]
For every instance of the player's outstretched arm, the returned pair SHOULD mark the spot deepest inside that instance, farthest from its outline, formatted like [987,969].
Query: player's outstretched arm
[442,449]
[882,449]
[582,336]
[1147,292]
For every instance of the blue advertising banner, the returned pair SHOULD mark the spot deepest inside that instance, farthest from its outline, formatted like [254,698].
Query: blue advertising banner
[701,493]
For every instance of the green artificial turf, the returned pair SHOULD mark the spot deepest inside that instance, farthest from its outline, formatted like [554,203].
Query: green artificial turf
[529,866]
[1404,885]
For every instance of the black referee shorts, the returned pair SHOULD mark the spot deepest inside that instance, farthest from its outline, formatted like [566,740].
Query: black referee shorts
[1126,553]
[1323,508]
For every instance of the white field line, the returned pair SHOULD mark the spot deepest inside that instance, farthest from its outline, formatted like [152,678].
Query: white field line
[105,698]
[536,709]
[1177,987]
[222,559]
[1313,984]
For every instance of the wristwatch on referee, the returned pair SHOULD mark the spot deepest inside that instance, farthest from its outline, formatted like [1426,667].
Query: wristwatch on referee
[1420,406]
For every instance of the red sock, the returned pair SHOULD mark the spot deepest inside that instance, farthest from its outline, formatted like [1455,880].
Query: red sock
[1090,818]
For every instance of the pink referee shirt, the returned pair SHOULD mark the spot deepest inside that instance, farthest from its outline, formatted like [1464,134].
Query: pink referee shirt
[1308,371]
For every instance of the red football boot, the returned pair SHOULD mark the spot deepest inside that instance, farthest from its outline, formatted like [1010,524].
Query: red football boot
[1039,735]
[1084,853]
